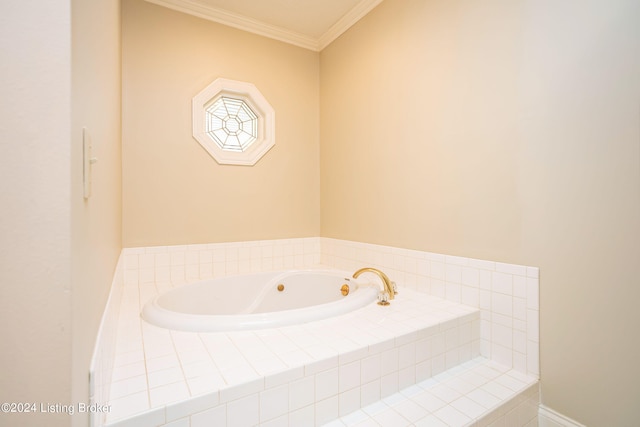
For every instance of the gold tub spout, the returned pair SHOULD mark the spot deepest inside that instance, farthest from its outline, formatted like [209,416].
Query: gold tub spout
[388,284]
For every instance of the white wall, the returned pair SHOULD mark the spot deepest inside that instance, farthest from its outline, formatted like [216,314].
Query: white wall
[35,184]
[59,72]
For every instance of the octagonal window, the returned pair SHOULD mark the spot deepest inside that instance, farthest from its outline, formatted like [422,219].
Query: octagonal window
[233,122]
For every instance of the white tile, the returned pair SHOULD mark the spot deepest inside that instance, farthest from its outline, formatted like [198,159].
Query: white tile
[199,368]
[444,393]
[453,292]
[375,408]
[326,384]
[389,384]
[501,319]
[514,269]
[191,406]
[470,296]
[429,401]
[468,407]
[437,270]
[502,283]
[128,386]
[389,361]
[452,416]
[349,376]
[303,417]
[485,300]
[533,358]
[162,362]
[411,410]
[349,401]
[356,418]
[423,370]
[244,412]
[301,393]
[520,341]
[520,286]
[205,384]
[128,371]
[407,355]
[241,390]
[533,272]
[182,422]
[274,402]
[326,410]
[470,276]
[430,421]
[370,369]
[283,377]
[512,383]
[533,327]
[519,361]
[485,280]
[460,385]
[406,377]
[370,392]
[502,304]
[128,406]
[437,364]
[239,374]
[533,298]
[438,288]
[519,309]
[165,376]
[168,393]
[453,273]
[497,390]
[126,358]
[483,398]
[391,418]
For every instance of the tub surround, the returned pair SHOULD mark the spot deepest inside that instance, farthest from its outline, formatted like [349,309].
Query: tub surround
[104,352]
[481,314]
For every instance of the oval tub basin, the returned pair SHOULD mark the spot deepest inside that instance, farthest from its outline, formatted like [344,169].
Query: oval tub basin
[254,302]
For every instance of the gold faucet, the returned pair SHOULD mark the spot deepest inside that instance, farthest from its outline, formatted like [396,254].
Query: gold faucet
[388,284]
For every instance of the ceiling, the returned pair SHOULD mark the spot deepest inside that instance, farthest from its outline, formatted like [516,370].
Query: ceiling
[311,24]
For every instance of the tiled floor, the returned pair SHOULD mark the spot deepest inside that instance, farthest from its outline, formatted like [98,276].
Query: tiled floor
[160,375]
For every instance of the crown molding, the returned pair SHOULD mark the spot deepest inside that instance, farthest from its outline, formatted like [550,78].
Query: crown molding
[346,22]
[251,25]
[240,22]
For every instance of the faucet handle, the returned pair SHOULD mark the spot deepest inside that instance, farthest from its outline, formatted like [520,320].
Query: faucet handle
[394,287]
[383,298]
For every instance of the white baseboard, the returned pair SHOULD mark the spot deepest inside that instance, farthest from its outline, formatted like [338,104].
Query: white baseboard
[547,417]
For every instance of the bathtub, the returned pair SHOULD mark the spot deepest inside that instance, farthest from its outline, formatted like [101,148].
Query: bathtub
[256,301]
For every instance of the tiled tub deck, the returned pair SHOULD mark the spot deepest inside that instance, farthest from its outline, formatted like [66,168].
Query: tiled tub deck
[415,362]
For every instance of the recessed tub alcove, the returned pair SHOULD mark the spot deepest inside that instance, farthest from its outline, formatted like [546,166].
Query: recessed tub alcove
[458,344]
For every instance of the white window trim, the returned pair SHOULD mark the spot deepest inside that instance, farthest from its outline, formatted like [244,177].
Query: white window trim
[250,94]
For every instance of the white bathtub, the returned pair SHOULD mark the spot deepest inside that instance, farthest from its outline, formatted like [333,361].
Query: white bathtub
[254,301]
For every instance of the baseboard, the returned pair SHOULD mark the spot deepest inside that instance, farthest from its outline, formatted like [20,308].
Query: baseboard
[547,417]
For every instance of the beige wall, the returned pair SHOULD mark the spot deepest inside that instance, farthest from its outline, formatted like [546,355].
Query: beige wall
[96,225]
[57,253]
[503,130]
[174,192]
